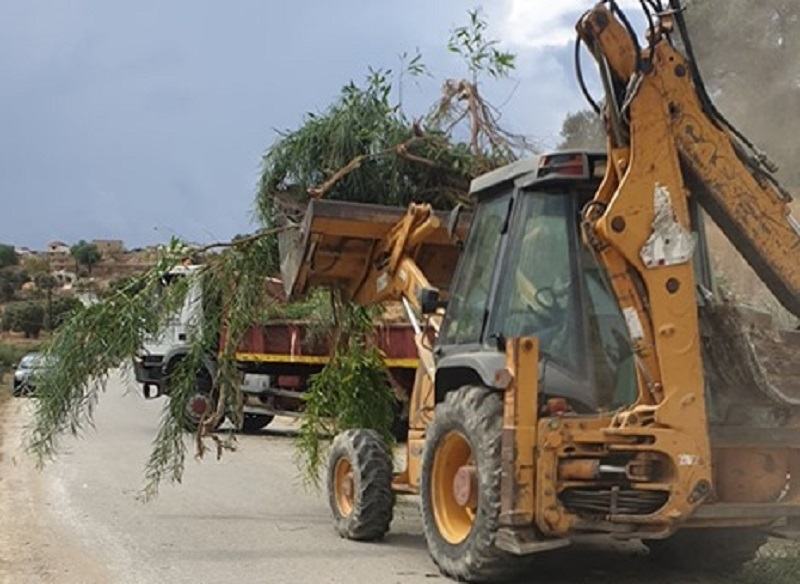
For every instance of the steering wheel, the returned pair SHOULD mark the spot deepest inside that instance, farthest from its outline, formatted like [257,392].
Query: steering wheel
[546,304]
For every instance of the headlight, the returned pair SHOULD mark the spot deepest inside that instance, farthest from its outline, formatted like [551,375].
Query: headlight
[19,375]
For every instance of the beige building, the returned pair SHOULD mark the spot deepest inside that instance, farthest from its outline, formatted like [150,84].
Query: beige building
[109,247]
[57,248]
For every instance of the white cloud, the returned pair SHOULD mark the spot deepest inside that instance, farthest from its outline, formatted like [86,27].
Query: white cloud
[543,23]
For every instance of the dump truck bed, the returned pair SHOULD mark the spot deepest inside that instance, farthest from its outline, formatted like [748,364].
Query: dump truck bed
[278,346]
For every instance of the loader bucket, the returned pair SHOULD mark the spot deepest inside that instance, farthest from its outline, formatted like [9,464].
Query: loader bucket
[338,241]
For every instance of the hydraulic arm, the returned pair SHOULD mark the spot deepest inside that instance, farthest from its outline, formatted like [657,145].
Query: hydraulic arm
[658,94]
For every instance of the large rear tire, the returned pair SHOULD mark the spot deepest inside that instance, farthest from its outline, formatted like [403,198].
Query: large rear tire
[360,485]
[460,491]
[712,550]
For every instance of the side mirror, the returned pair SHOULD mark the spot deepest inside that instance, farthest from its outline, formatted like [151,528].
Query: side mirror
[452,220]
[428,300]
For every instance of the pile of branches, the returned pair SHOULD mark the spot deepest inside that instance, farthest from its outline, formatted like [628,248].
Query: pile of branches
[365,149]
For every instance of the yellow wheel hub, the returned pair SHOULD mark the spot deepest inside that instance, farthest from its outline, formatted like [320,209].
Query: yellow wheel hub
[344,486]
[454,488]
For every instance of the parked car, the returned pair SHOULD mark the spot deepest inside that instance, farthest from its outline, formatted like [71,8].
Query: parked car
[25,374]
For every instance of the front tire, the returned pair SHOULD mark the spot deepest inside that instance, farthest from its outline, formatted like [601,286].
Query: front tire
[462,447]
[715,550]
[254,422]
[201,403]
[360,485]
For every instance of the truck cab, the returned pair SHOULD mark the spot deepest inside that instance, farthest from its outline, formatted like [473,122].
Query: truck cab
[160,352]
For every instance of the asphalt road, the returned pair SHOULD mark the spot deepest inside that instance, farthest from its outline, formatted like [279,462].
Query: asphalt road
[245,518]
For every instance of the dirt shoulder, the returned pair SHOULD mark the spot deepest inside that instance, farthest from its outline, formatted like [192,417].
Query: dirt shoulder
[33,547]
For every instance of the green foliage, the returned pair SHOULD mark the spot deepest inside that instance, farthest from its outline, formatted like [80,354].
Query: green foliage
[316,306]
[91,343]
[62,308]
[233,286]
[125,285]
[35,265]
[85,254]
[95,340]
[583,130]
[45,281]
[8,285]
[8,257]
[364,148]
[351,392]
[480,53]
[363,126]
[24,317]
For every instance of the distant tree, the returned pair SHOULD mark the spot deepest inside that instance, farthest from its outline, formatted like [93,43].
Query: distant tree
[8,257]
[11,280]
[62,308]
[36,265]
[47,283]
[7,286]
[85,254]
[24,317]
[7,320]
[583,130]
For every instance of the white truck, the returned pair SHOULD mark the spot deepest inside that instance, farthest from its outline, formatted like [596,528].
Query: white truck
[277,360]
[160,355]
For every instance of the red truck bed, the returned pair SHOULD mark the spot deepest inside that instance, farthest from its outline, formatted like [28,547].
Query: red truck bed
[290,343]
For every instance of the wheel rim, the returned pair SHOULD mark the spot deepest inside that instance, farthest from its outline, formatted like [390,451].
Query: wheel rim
[344,486]
[454,510]
[197,406]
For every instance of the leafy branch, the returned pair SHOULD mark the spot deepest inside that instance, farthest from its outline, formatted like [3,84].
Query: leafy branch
[480,53]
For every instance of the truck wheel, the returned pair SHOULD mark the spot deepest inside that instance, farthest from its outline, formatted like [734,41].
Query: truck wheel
[201,401]
[255,422]
[399,422]
[460,491]
[360,485]
[711,550]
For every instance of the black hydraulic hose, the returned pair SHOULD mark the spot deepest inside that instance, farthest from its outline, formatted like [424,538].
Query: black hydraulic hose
[651,23]
[581,80]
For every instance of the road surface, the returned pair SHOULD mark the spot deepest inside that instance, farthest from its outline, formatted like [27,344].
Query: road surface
[245,518]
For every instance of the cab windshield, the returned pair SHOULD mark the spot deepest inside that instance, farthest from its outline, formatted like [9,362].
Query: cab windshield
[552,288]
[536,297]
[469,303]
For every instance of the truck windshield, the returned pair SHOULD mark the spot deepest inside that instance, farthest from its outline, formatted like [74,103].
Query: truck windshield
[470,296]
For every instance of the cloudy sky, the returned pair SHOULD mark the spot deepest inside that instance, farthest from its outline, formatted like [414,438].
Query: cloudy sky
[145,119]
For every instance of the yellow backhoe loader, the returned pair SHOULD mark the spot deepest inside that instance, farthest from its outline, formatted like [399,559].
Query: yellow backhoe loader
[578,372]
